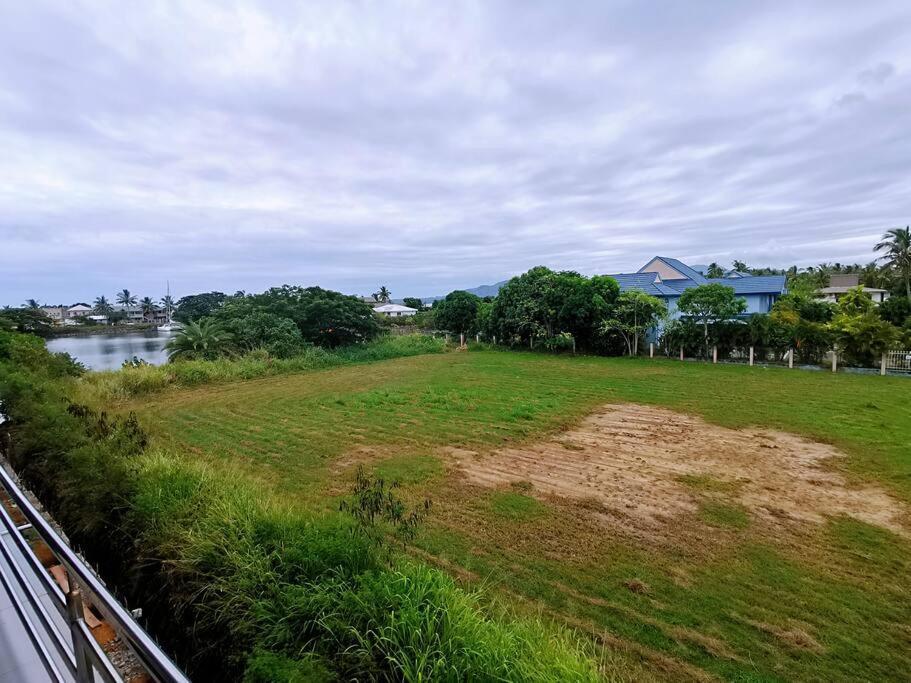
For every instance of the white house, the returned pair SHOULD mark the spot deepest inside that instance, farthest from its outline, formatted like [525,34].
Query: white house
[839,285]
[78,311]
[395,310]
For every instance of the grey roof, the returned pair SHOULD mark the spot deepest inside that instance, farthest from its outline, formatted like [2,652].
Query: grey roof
[755,284]
[644,282]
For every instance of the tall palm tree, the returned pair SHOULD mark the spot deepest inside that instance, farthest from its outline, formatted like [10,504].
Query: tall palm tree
[33,304]
[167,302]
[102,306]
[125,298]
[148,307]
[897,245]
[383,295]
[202,339]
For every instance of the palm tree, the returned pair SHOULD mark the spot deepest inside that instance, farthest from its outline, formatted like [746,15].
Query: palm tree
[148,307]
[167,302]
[102,306]
[383,295]
[202,339]
[33,304]
[125,298]
[897,245]
[714,270]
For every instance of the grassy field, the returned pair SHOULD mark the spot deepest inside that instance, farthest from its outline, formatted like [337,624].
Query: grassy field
[727,593]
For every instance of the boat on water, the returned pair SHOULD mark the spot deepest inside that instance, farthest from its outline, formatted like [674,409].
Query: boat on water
[169,325]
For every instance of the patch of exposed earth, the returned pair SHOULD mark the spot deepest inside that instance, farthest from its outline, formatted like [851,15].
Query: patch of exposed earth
[639,464]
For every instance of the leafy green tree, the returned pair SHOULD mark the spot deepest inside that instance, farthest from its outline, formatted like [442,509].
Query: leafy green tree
[741,267]
[413,302]
[33,304]
[324,317]
[457,312]
[541,303]
[896,310]
[382,296]
[855,302]
[125,298]
[710,304]
[634,313]
[859,332]
[714,271]
[262,330]
[204,339]
[28,320]
[196,306]
[896,244]
[863,337]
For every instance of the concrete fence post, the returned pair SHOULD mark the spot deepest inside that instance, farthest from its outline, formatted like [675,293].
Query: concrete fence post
[681,353]
[882,365]
[477,338]
[74,611]
[790,358]
[495,340]
[651,349]
[751,356]
[574,346]
[714,354]
[834,360]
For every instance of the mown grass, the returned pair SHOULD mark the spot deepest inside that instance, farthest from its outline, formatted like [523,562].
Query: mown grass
[99,388]
[831,602]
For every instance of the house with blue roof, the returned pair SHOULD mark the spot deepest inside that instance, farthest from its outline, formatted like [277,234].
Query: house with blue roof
[667,278]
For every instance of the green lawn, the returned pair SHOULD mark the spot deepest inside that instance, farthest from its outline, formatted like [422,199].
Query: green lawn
[731,599]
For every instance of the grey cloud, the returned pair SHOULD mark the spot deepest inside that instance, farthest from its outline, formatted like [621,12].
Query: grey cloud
[440,145]
[876,75]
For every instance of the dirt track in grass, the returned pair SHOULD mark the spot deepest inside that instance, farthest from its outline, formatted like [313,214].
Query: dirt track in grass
[644,467]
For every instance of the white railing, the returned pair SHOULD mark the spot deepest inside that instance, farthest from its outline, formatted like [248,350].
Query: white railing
[899,361]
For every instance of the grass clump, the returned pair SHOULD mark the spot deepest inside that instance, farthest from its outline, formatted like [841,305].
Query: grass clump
[515,506]
[715,513]
[409,469]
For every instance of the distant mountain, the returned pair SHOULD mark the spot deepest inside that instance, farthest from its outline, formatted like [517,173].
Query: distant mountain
[482,291]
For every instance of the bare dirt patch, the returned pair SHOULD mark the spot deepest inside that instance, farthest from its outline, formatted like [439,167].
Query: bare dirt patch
[637,464]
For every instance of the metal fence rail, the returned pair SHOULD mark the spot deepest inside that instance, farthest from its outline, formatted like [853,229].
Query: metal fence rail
[899,361]
[83,656]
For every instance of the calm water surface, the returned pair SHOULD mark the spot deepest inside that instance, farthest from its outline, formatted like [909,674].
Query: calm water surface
[108,351]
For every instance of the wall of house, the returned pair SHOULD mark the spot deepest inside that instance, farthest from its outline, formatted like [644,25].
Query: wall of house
[663,270]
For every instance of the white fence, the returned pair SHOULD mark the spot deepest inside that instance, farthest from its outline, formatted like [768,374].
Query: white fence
[897,361]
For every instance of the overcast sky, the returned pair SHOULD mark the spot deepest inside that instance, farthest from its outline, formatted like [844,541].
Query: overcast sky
[432,146]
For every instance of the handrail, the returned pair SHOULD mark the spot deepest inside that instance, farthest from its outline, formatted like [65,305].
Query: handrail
[156,662]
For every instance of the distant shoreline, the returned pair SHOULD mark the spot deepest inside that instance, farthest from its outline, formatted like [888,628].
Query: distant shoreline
[73,331]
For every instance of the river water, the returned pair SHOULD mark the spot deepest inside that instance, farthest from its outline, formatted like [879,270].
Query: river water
[108,351]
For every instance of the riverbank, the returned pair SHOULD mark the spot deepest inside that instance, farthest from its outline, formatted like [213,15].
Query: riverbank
[92,330]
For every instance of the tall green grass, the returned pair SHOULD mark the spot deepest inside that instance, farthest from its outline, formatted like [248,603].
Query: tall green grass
[97,388]
[284,593]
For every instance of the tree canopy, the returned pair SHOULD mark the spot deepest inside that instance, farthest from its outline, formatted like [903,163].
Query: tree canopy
[323,317]
[457,312]
[634,313]
[541,303]
[196,306]
[710,304]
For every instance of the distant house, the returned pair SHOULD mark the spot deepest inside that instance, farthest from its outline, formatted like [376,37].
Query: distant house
[840,284]
[667,278]
[78,311]
[55,313]
[395,310]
